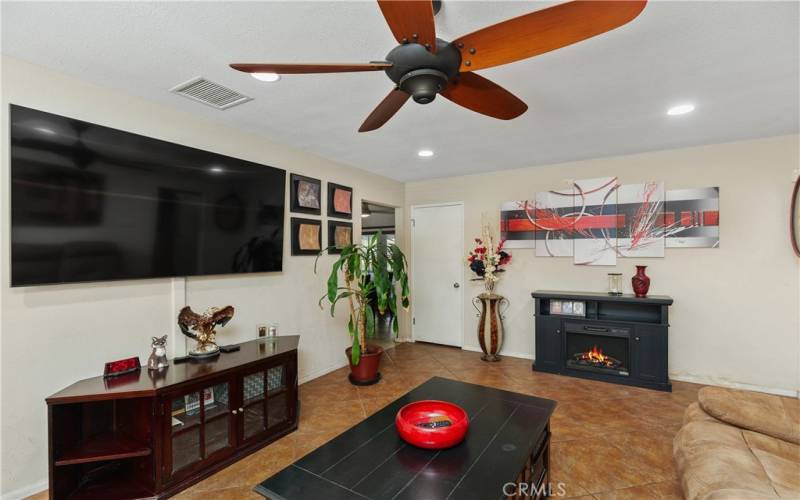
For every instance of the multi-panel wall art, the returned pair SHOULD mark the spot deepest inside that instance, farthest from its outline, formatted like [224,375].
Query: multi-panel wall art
[595,221]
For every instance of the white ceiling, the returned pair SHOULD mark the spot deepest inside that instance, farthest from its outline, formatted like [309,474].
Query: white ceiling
[737,61]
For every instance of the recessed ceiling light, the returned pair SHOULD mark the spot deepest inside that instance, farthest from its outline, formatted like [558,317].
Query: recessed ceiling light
[266,77]
[424,153]
[680,109]
[216,170]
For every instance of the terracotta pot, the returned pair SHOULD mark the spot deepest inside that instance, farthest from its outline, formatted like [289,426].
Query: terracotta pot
[640,282]
[366,371]
[490,324]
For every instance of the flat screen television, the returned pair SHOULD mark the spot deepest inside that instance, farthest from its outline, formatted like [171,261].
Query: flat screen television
[92,203]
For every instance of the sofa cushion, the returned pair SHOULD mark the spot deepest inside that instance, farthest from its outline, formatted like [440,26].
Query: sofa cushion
[772,415]
[780,459]
[694,413]
[712,457]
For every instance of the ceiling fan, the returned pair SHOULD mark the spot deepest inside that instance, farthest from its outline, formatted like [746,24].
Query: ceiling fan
[423,65]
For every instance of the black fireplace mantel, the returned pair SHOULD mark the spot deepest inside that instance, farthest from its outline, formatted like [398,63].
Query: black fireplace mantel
[633,330]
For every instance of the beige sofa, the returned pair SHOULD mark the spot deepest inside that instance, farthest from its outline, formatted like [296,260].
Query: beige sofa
[739,445]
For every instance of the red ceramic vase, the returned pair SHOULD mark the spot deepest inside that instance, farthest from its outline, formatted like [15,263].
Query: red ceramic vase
[640,282]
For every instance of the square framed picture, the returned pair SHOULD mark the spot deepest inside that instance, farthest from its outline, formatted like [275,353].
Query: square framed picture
[340,201]
[579,308]
[340,234]
[306,236]
[555,307]
[305,194]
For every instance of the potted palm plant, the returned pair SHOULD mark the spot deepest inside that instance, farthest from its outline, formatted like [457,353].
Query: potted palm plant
[366,275]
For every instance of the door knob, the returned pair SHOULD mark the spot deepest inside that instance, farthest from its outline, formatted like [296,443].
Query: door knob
[234,412]
[456,285]
[241,410]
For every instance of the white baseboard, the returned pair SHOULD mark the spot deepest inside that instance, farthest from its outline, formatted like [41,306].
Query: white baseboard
[318,373]
[510,354]
[733,385]
[25,491]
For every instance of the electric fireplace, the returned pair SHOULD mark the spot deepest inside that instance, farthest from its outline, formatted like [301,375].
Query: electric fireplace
[621,339]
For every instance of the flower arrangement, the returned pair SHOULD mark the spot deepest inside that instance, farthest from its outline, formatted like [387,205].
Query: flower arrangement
[486,259]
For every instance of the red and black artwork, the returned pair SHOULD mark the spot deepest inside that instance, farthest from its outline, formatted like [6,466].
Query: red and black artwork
[598,220]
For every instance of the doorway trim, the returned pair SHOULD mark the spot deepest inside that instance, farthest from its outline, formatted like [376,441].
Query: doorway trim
[414,262]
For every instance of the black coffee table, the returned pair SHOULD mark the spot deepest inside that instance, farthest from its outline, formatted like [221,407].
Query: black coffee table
[507,442]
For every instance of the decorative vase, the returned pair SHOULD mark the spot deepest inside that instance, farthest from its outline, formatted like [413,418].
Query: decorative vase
[640,282]
[490,324]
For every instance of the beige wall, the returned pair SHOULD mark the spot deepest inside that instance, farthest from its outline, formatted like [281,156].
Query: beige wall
[735,317]
[54,335]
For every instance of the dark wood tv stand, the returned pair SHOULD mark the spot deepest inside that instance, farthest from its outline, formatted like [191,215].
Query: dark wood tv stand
[152,434]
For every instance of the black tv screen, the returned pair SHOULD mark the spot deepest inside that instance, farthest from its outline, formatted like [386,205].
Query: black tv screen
[92,203]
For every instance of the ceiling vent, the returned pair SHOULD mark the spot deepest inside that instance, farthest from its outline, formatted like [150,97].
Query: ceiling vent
[201,90]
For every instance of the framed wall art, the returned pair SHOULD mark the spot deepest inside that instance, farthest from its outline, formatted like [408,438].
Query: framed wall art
[305,194]
[340,234]
[340,201]
[306,236]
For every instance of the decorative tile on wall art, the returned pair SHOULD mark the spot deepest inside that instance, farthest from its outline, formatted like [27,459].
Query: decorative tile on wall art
[340,235]
[640,208]
[340,201]
[306,236]
[691,219]
[517,226]
[305,194]
[595,222]
[553,210]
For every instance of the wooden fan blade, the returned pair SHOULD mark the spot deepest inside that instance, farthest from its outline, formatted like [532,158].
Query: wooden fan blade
[542,31]
[296,69]
[485,97]
[410,21]
[385,110]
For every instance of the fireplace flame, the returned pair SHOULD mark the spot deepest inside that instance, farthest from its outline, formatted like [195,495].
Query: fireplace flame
[595,356]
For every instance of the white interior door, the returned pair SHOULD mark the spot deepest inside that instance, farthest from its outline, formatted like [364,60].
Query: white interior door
[438,273]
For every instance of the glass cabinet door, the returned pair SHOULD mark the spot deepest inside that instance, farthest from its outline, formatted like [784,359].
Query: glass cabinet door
[265,401]
[201,425]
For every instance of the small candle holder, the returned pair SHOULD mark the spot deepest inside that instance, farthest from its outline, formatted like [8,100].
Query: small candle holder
[615,284]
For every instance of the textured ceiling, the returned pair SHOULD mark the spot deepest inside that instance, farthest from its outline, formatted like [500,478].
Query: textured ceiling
[737,61]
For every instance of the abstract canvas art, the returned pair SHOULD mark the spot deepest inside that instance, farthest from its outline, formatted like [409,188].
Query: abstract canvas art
[517,225]
[340,201]
[640,209]
[553,212]
[340,234]
[305,194]
[594,221]
[691,218]
[306,236]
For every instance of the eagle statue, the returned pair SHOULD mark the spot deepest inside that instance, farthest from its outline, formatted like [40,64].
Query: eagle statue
[200,327]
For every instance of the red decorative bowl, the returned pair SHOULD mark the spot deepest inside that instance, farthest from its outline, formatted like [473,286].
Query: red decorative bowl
[432,424]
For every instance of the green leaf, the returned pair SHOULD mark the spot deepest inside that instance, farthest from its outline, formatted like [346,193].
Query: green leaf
[355,353]
[370,314]
[342,295]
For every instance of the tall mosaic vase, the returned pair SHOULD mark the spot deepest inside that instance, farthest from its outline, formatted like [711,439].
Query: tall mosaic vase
[490,324]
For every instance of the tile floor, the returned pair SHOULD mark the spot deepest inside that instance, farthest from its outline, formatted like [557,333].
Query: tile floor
[609,441]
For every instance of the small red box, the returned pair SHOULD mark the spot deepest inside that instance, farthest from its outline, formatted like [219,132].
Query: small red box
[416,424]
[121,367]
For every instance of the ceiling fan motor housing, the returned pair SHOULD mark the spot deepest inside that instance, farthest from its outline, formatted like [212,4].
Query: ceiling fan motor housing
[420,73]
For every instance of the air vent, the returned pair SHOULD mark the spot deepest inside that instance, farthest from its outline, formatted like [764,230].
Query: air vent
[201,90]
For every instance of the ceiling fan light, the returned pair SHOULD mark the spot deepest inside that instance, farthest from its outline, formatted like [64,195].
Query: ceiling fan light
[266,77]
[680,109]
[424,153]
